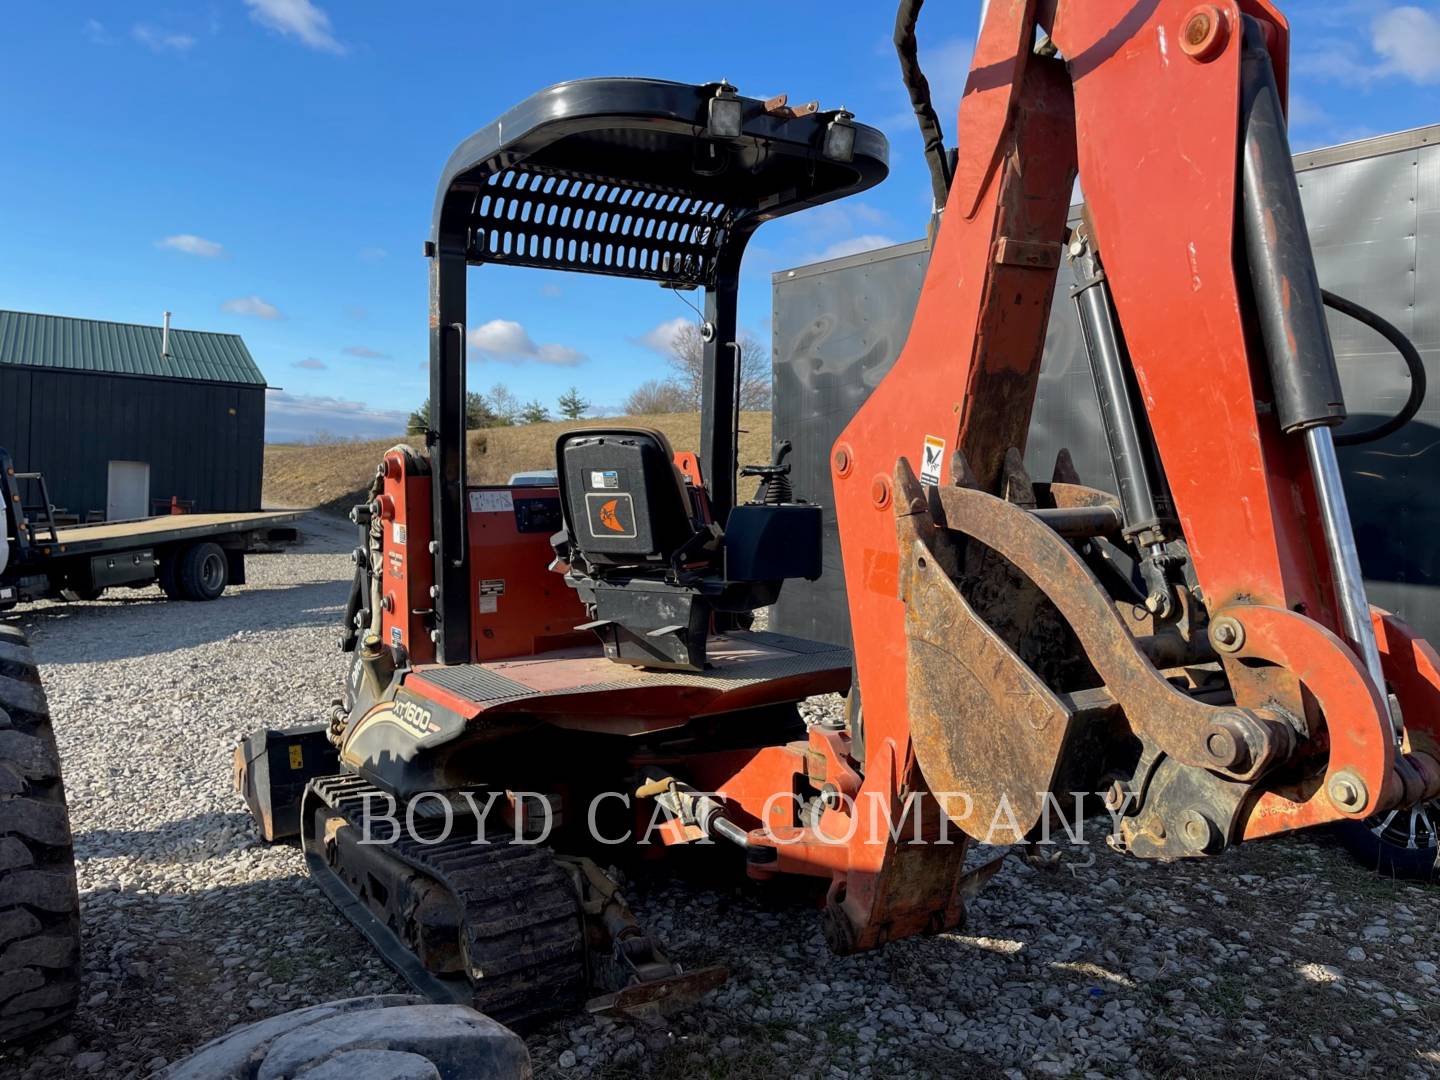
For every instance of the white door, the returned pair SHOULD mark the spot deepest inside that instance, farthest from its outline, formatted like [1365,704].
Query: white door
[129,491]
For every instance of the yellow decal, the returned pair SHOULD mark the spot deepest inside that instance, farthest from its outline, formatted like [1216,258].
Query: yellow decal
[297,758]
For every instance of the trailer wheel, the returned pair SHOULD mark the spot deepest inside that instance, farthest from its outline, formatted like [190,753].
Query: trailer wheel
[202,571]
[39,903]
[1398,844]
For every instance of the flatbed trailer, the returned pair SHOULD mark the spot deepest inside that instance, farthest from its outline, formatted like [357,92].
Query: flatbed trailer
[191,556]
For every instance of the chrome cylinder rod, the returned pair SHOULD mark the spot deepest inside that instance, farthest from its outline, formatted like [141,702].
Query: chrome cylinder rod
[1344,557]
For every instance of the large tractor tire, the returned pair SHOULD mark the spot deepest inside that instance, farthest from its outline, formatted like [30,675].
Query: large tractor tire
[202,571]
[39,903]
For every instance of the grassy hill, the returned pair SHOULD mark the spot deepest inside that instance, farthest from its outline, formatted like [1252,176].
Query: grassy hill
[334,476]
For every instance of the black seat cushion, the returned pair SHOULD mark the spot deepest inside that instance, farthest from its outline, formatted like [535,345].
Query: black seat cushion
[624,502]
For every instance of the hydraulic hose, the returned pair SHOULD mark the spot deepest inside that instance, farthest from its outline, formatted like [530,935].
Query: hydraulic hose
[908,49]
[1408,353]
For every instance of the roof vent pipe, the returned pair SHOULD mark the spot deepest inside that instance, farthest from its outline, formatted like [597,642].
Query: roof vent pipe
[165,338]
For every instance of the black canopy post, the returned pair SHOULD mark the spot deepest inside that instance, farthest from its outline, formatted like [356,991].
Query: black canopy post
[629,178]
[720,382]
[446,436]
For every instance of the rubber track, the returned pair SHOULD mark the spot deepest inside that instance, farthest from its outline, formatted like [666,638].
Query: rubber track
[521,931]
[39,904]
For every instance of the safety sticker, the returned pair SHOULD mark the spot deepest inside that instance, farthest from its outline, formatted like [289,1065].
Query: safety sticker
[604,479]
[491,502]
[931,457]
[297,757]
[397,533]
[491,589]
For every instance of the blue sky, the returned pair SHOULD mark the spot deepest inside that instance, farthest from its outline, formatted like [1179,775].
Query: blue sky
[267,167]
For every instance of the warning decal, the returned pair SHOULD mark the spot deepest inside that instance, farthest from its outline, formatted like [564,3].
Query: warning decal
[931,457]
[491,502]
[491,589]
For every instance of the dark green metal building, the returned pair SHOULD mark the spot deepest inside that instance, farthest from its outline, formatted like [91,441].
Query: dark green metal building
[123,418]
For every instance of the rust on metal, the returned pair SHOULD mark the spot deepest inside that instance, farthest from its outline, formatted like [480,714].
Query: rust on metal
[982,722]
[1156,710]
[1205,33]
[779,107]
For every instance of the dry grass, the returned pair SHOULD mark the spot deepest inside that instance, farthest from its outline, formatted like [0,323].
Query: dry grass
[334,476]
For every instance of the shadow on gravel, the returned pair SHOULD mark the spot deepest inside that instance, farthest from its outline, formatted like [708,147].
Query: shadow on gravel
[192,839]
[167,970]
[143,627]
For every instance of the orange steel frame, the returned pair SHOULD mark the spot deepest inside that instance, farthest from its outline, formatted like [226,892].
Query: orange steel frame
[1154,133]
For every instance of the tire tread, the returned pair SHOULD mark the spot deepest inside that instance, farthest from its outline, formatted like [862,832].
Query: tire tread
[39,901]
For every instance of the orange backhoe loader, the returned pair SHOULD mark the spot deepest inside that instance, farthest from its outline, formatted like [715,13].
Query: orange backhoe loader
[579,664]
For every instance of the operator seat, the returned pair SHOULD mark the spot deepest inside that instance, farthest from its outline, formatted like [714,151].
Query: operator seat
[630,504]
[650,566]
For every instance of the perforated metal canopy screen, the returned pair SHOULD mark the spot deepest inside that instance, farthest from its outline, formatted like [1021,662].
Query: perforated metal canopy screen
[530,215]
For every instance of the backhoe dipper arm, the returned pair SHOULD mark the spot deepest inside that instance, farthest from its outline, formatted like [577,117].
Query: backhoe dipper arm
[1148,100]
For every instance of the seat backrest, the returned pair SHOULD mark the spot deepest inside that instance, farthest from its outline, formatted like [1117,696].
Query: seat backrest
[624,501]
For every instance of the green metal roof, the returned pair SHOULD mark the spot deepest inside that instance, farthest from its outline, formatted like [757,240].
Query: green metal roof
[57,341]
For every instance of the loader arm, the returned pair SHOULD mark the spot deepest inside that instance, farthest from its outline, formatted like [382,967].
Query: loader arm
[951,564]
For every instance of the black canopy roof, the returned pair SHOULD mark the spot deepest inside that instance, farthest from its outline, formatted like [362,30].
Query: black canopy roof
[619,176]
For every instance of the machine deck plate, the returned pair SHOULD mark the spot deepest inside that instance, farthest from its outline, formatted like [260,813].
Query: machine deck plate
[747,669]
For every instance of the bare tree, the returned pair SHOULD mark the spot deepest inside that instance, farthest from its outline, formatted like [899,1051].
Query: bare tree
[687,352]
[656,396]
[504,405]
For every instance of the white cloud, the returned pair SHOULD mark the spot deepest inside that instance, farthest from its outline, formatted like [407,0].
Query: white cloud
[310,363]
[297,417]
[1404,43]
[560,355]
[191,244]
[502,337]
[364,352]
[1409,40]
[296,18]
[251,305]
[508,341]
[159,40]
[663,336]
[852,246]
[95,32]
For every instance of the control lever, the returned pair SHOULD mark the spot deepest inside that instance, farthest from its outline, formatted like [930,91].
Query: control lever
[774,478]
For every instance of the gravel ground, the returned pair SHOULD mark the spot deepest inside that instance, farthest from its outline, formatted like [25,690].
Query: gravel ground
[1279,959]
